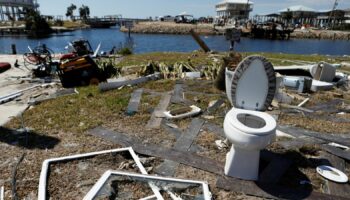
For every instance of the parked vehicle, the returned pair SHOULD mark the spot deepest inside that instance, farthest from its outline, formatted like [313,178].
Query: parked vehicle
[166,18]
[188,19]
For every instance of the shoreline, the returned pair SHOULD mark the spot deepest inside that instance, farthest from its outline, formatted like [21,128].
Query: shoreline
[209,29]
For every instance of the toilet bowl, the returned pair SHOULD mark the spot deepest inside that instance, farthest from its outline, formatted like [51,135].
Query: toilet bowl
[250,90]
[249,132]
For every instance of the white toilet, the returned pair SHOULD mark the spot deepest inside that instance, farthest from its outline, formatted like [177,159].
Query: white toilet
[250,89]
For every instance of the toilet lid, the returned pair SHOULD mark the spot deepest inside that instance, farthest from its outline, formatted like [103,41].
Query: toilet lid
[253,84]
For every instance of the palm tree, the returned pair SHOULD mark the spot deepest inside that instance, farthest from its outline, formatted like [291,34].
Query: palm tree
[84,12]
[70,11]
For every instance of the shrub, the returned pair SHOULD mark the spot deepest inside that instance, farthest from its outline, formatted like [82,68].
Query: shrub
[124,51]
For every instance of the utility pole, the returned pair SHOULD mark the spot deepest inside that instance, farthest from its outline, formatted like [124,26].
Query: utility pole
[247,9]
[332,16]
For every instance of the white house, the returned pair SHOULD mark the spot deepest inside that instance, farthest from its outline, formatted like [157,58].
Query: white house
[14,8]
[234,9]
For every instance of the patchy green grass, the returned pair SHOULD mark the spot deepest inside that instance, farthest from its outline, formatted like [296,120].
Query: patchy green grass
[77,113]
[200,58]
[196,58]
[160,86]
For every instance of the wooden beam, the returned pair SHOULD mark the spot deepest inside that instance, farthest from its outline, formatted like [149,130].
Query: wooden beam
[134,102]
[184,143]
[199,41]
[186,158]
[212,166]
[299,133]
[155,120]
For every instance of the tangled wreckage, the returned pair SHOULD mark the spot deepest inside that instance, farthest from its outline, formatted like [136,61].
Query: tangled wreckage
[171,125]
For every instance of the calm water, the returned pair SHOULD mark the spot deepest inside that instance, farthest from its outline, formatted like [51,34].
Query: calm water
[181,43]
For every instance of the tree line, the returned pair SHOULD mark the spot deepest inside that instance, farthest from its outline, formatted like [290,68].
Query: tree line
[84,12]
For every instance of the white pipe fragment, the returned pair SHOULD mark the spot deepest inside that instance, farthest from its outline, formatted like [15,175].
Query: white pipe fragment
[304,102]
[2,193]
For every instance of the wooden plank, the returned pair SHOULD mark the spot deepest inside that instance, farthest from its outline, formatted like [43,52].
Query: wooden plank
[167,168]
[218,130]
[337,152]
[178,93]
[115,85]
[215,106]
[155,120]
[337,188]
[174,131]
[199,41]
[134,102]
[186,139]
[184,143]
[186,158]
[269,190]
[209,165]
[298,132]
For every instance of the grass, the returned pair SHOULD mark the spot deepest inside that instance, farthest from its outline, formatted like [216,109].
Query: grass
[202,59]
[197,58]
[72,24]
[77,113]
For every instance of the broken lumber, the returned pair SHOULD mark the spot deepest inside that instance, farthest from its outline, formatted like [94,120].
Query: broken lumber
[184,143]
[209,165]
[155,120]
[134,102]
[199,41]
[115,85]
[215,106]
[186,158]
[299,133]
[60,93]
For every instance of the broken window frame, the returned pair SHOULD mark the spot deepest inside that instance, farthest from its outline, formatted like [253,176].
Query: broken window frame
[42,193]
[104,178]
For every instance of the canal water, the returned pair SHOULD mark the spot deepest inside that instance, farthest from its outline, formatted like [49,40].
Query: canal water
[143,43]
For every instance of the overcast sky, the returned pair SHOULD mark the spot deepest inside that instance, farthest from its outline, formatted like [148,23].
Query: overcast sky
[147,8]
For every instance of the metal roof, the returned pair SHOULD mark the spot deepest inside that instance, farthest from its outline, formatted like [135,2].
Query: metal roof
[298,8]
[236,1]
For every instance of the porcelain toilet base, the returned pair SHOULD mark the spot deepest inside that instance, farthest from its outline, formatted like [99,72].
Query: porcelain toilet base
[242,163]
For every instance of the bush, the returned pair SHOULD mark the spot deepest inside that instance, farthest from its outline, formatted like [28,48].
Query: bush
[124,51]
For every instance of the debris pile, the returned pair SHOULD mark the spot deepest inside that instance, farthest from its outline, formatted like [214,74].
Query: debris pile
[176,125]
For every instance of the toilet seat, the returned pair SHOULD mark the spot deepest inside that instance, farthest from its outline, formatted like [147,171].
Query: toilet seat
[268,128]
[253,84]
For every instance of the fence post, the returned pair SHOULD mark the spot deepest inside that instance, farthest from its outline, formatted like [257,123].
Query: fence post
[14,50]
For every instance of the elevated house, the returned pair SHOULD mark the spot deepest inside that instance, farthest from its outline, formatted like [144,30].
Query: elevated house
[13,9]
[347,16]
[330,17]
[299,15]
[234,9]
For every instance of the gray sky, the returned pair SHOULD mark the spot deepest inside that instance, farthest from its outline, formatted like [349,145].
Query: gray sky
[146,8]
